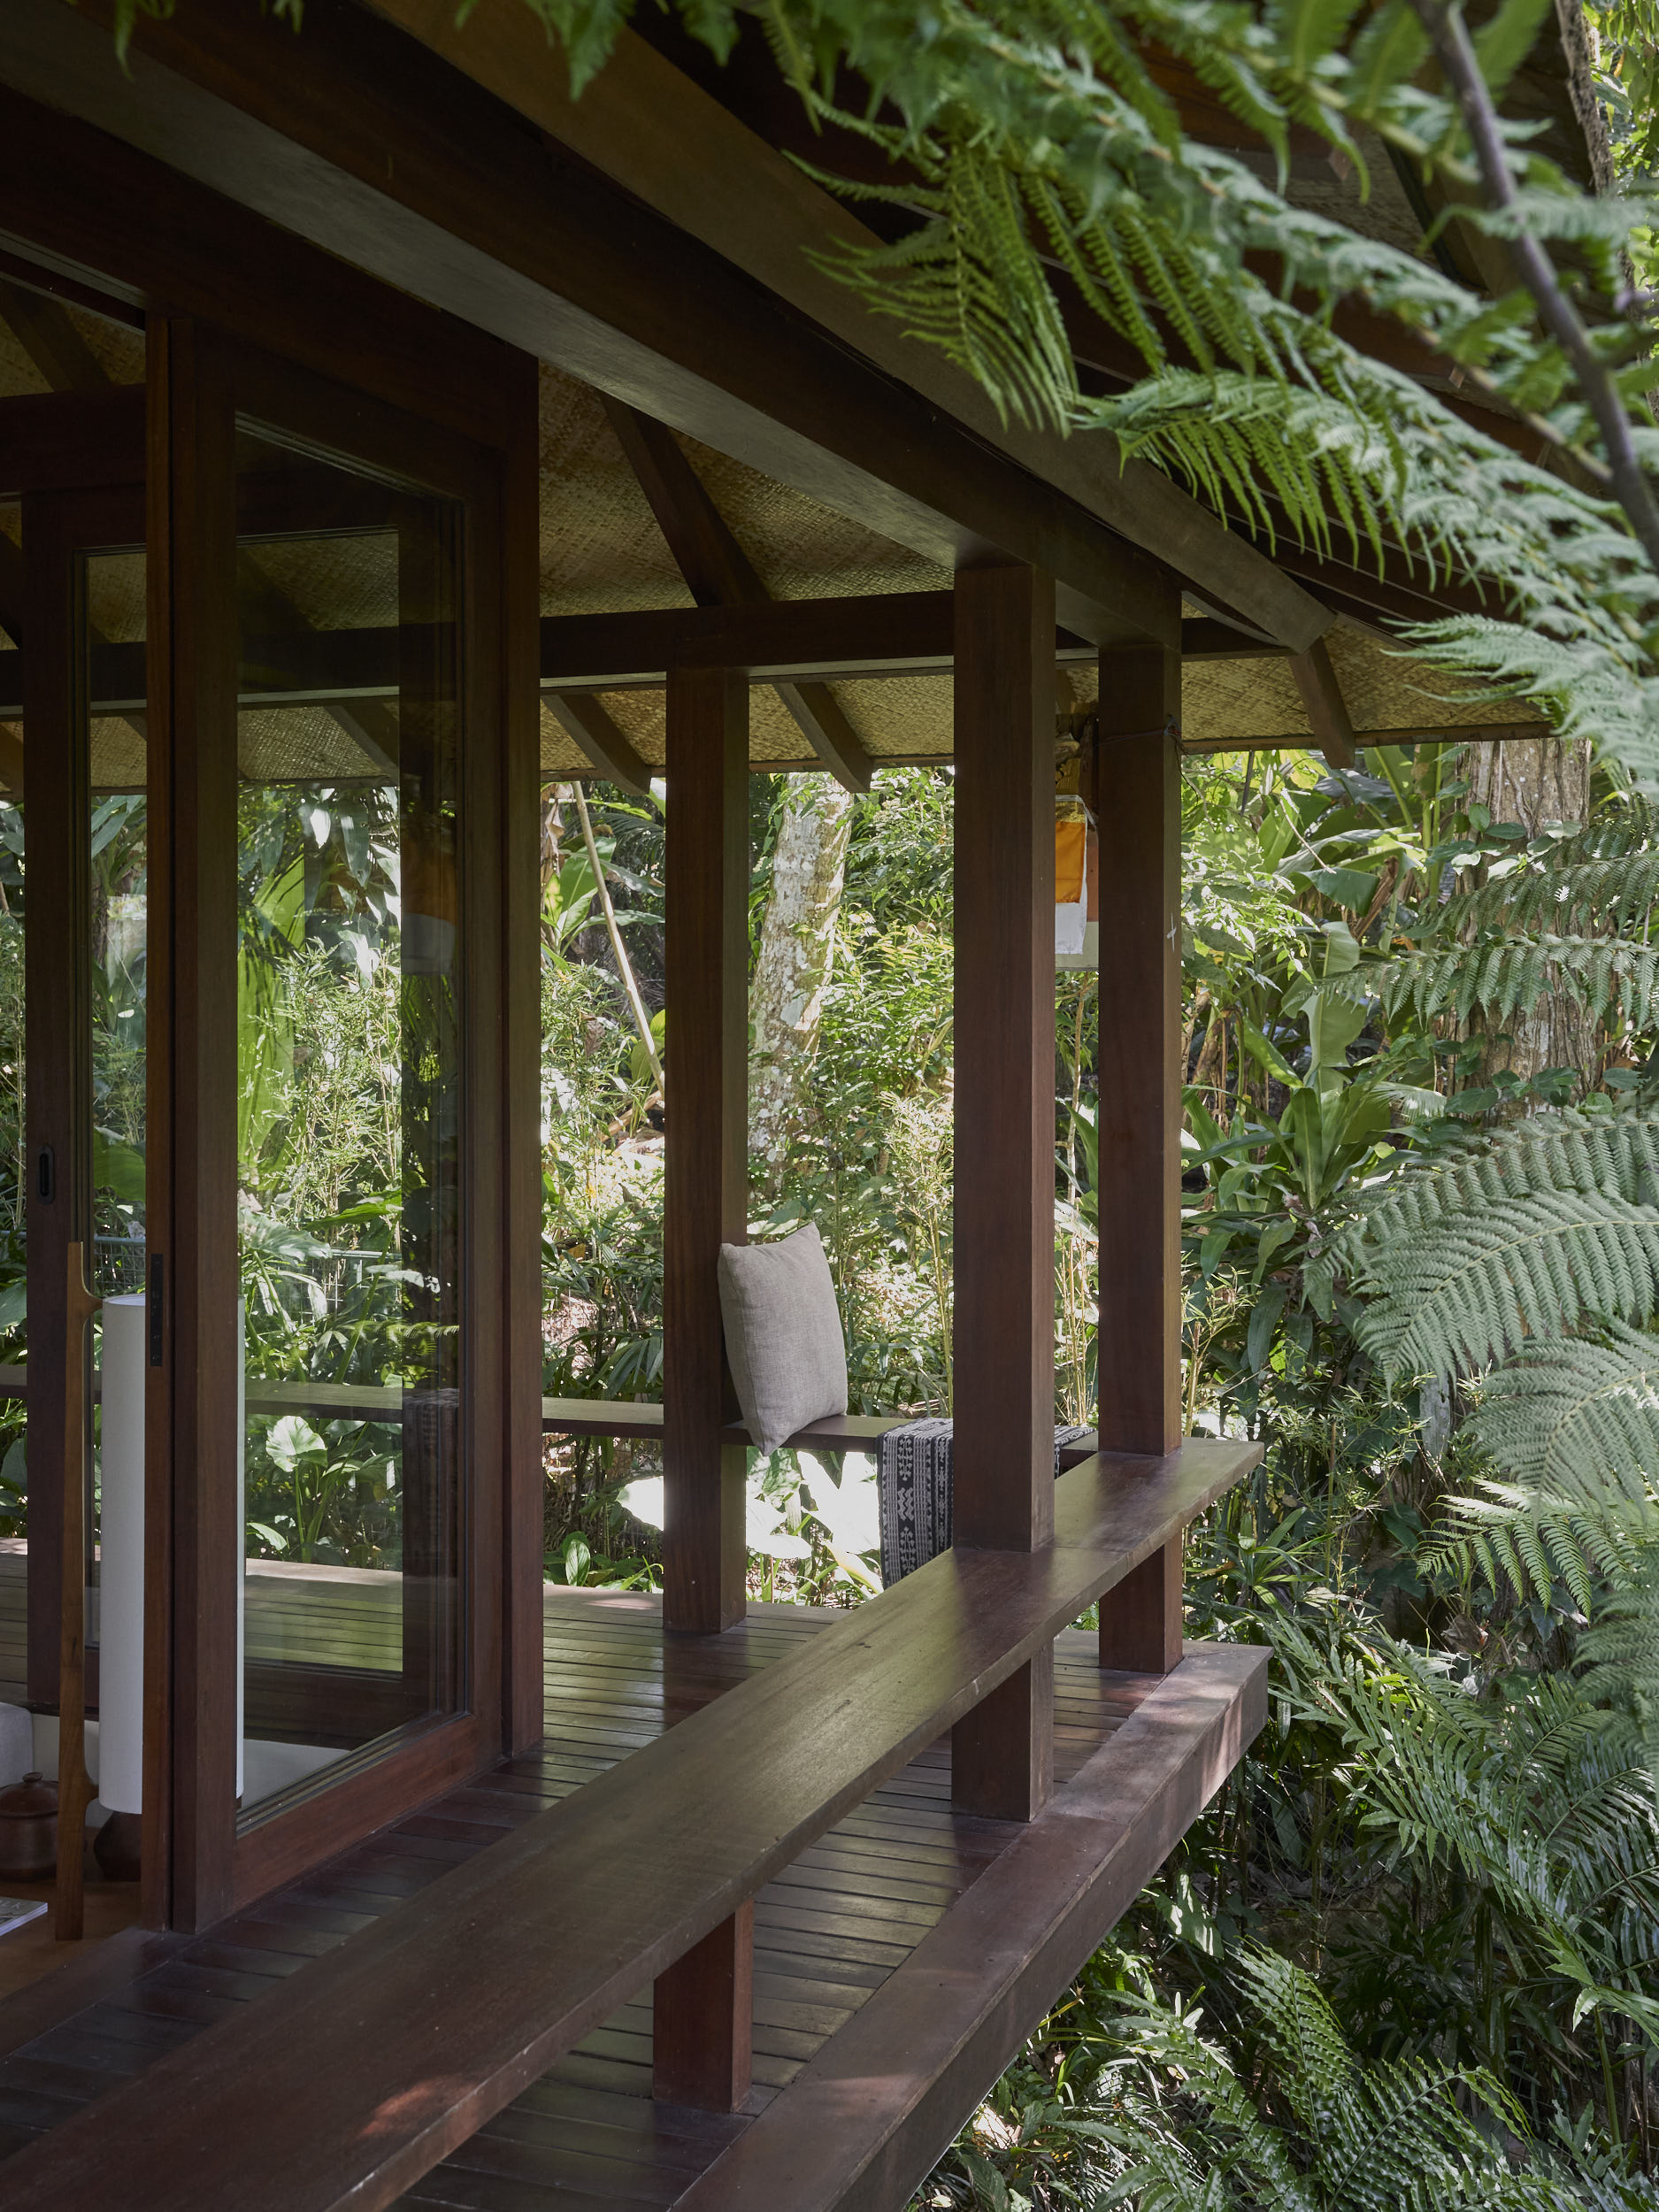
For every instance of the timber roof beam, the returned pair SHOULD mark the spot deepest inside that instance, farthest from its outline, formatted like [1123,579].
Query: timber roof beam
[789,643]
[369,144]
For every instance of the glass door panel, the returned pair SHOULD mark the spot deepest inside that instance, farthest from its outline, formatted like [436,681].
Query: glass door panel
[349,1107]
[109,597]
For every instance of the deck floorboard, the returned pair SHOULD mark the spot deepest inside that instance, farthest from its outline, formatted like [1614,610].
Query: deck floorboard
[829,1931]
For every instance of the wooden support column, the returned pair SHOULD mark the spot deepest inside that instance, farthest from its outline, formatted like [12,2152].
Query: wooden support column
[706,1195]
[1002,1752]
[1140,1363]
[702,2020]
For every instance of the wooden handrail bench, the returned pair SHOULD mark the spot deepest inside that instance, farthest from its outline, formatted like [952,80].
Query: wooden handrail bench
[353,2078]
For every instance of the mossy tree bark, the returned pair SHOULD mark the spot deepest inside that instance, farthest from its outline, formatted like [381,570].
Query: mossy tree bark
[796,952]
[1537,782]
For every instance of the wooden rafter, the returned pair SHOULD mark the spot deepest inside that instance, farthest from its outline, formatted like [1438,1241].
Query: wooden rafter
[43,329]
[606,747]
[723,187]
[1322,696]
[718,573]
[376,160]
[46,333]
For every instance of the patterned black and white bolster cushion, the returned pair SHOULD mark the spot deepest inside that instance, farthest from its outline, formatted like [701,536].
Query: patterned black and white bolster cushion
[913,1474]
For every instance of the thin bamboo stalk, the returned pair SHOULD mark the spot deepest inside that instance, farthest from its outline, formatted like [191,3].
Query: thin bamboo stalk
[623,967]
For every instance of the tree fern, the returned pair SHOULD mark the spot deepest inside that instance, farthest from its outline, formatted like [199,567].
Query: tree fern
[1569,918]
[1303,2126]
[1474,1289]
[1578,1422]
[1545,1803]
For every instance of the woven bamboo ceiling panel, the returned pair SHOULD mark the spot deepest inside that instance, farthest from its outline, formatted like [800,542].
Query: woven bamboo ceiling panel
[603,552]
[1383,689]
[115,596]
[115,349]
[897,717]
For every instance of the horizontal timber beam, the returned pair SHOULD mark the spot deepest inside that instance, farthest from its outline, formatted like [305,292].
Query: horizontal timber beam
[905,631]
[1414,733]
[361,141]
[897,632]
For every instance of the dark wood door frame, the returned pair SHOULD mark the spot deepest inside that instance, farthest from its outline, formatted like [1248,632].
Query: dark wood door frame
[203,380]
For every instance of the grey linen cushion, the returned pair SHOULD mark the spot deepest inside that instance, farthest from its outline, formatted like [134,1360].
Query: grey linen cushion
[783,1334]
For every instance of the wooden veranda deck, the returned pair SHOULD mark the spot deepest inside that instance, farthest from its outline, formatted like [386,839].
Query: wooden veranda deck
[887,1930]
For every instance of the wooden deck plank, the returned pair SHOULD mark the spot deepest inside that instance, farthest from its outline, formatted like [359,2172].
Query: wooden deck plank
[751,1779]
[825,1942]
[865,2119]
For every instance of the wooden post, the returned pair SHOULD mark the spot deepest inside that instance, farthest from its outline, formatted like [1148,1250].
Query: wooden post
[1003,1462]
[1139,1363]
[190,1209]
[706,1197]
[702,2016]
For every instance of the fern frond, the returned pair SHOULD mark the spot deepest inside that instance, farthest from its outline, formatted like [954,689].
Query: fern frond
[1616,1154]
[1536,1540]
[1474,1289]
[1510,977]
[1577,1419]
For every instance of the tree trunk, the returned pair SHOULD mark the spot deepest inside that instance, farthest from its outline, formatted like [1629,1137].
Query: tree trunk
[796,945]
[1538,782]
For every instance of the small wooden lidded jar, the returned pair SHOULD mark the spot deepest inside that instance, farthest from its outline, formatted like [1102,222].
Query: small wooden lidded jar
[28,1829]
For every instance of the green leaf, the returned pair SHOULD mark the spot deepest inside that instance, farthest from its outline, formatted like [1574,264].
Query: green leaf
[1352,888]
[292,1440]
[1266,1054]
[1504,43]
[117,1166]
[1387,53]
[1264,1317]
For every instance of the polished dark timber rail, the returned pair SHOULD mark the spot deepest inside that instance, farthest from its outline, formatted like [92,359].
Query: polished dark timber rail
[402,2043]
[560,1417]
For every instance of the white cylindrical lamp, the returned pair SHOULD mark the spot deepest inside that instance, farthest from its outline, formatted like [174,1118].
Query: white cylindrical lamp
[121,1557]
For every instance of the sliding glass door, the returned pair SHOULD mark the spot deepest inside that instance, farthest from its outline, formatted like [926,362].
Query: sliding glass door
[332,1234]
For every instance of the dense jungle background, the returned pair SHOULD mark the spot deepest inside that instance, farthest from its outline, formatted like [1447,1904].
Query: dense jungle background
[1410,1951]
